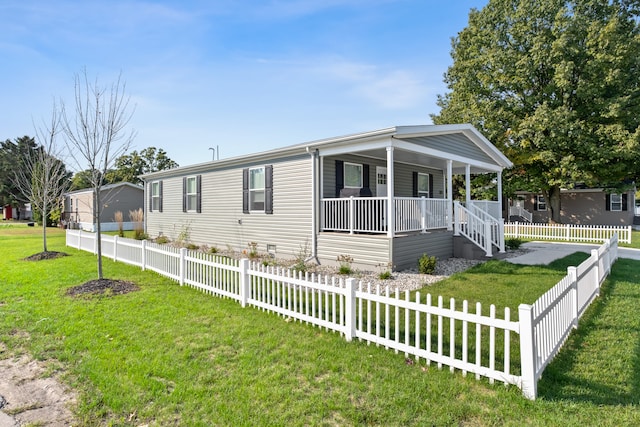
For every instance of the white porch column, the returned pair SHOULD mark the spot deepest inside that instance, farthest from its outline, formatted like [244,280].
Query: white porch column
[391,212]
[450,195]
[500,193]
[467,173]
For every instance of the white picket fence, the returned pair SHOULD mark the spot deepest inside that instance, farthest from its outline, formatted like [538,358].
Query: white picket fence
[567,232]
[439,333]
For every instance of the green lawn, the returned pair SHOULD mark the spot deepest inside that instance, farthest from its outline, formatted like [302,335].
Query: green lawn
[174,356]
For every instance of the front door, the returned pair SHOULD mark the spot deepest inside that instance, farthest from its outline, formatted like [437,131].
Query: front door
[381,181]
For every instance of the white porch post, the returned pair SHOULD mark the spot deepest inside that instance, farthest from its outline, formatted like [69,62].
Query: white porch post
[450,195]
[501,219]
[391,214]
[467,185]
[500,192]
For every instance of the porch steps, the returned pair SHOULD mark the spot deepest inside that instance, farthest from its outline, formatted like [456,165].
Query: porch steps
[465,248]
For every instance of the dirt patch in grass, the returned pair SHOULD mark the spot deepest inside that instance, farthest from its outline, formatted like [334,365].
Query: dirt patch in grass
[29,396]
[45,255]
[106,287]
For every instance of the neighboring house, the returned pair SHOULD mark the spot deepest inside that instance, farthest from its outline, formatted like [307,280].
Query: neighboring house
[381,197]
[123,196]
[584,206]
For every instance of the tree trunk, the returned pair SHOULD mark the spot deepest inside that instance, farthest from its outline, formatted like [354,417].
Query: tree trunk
[44,227]
[96,218]
[553,204]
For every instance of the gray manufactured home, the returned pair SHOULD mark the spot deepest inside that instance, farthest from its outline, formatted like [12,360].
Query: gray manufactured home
[382,197]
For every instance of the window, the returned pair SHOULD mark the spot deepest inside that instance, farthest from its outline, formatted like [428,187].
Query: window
[541,203]
[256,189]
[615,202]
[156,196]
[191,194]
[423,185]
[352,175]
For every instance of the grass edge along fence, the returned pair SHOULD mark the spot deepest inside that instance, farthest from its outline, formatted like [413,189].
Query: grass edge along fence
[567,232]
[513,352]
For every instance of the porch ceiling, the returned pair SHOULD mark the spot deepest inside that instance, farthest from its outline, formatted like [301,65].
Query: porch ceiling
[403,155]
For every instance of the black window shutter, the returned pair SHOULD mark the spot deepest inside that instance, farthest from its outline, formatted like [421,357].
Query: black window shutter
[268,189]
[608,202]
[245,190]
[150,197]
[199,194]
[339,176]
[160,194]
[184,194]
[431,186]
[624,202]
[365,176]
[535,203]
[415,184]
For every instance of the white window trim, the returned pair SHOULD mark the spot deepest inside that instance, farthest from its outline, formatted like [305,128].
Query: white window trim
[262,189]
[344,170]
[188,195]
[155,196]
[619,202]
[420,192]
[538,203]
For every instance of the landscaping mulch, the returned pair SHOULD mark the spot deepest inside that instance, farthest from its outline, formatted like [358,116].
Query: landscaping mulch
[45,255]
[103,287]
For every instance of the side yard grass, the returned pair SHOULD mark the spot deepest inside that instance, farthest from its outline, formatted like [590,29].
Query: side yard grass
[170,355]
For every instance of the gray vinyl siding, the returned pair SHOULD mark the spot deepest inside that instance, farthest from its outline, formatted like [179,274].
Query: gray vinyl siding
[222,222]
[368,251]
[408,248]
[403,176]
[455,144]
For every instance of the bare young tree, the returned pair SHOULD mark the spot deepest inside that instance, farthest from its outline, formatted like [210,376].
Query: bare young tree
[42,178]
[96,135]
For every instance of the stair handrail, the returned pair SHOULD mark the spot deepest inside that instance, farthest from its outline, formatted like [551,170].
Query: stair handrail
[474,228]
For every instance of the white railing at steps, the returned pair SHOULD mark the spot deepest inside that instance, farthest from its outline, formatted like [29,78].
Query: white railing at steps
[521,212]
[496,226]
[488,206]
[479,227]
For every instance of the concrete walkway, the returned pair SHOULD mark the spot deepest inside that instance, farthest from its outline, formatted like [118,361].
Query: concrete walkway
[543,253]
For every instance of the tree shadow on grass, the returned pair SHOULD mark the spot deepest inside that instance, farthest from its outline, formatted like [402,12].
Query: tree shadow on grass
[600,362]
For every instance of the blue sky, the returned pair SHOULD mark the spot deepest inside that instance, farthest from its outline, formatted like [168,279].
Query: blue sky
[243,75]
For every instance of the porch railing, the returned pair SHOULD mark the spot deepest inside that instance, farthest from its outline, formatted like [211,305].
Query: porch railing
[480,227]
[369,214]
[488,206]
[521,212]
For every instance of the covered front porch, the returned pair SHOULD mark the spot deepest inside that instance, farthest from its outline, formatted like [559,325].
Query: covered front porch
[402,183]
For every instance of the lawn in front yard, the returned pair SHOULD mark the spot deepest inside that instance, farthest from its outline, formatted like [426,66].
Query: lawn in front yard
[170,355]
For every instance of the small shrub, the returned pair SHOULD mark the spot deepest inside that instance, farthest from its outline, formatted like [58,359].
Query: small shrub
[119,219]
[301,258]
[192,246]
[384,275]
[513,243]
[137,217]
[426,264]
[345,264]
[385,271]
[162,239]
[213,250]
[252,251]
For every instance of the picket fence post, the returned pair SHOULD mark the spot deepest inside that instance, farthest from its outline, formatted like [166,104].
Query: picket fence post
[244,282]
[529,383]
[350,310]
[572,272]
[594,254]
[183,261]
[144,255]
[115,248]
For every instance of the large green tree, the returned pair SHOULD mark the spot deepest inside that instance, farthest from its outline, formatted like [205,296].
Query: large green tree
[129,167]
[554,84]
[12,157]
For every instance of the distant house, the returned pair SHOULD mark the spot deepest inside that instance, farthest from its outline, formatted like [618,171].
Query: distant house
[584,206]
[382,197]
[79,206]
